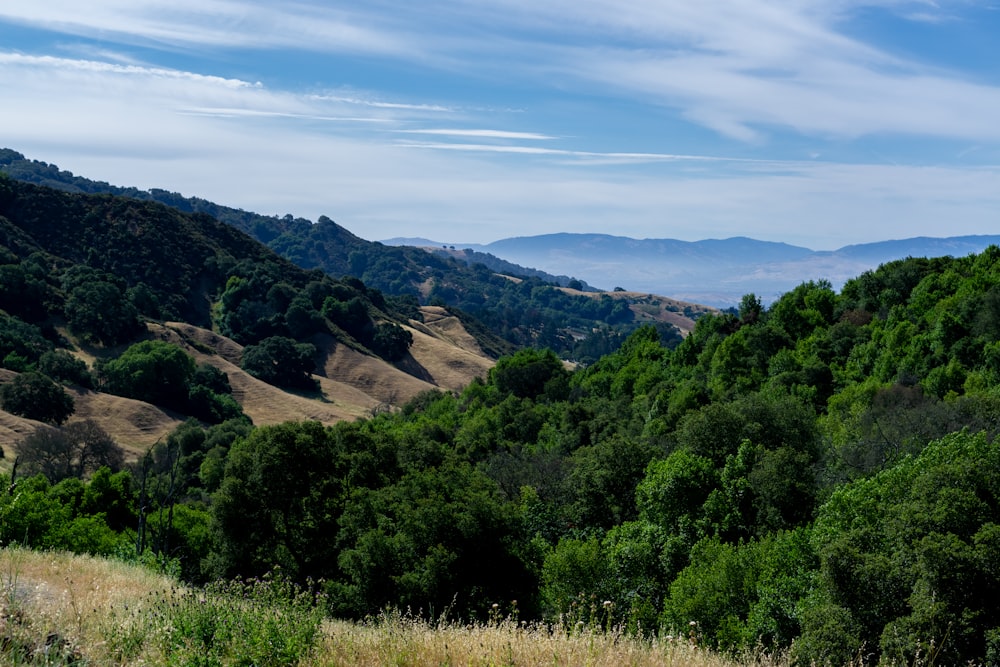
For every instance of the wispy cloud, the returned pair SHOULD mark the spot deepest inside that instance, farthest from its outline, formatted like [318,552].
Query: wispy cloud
[385,161]
[485,134]
[744,68]
[52,63]
[380,104]
[258,113]
[593,157]
[214,23]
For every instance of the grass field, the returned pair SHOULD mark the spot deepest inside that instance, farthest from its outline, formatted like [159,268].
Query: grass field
[58,608]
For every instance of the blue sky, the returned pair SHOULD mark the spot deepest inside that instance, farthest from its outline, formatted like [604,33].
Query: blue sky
[816,122]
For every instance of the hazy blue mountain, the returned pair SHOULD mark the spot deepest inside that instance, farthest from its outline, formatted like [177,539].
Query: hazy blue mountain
[715,272]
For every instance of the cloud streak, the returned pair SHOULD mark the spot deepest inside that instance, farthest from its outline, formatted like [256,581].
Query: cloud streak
[743,68]
[440,155]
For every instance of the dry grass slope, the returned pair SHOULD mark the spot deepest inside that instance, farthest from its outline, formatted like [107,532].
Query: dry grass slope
[91,610]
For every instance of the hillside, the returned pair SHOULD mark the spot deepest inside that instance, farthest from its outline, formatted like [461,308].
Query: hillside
[513,314]
[93,274]
[817,479]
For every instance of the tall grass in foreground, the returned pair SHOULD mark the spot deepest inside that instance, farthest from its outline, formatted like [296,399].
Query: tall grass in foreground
[57,608]
[395,639]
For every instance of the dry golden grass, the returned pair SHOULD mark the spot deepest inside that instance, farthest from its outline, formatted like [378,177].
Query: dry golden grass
[396,640]
[58,604]
[94,608]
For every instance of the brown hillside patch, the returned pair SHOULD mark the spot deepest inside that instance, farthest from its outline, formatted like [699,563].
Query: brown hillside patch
[133,424]
[351,383]
[443,356]
[371,376]
[262,402]
[441,324]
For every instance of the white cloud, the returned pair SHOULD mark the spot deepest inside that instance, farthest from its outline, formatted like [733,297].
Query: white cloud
[485,134]
[218,23]
[744,68]
[380,104]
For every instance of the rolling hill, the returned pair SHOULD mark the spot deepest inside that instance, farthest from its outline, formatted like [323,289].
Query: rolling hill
[175,270]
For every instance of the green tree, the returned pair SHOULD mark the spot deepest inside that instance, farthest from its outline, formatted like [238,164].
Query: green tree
[530,374]
[909,555]
[153,371]
[100,311]
[281,361]
[391,341]
[63,366]
[35,396]
[279,502]
[435,538]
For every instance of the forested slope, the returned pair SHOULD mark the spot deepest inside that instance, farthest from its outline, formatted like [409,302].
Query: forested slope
[820,474]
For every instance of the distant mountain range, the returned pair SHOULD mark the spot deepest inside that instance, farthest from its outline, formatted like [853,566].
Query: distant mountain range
[714,272]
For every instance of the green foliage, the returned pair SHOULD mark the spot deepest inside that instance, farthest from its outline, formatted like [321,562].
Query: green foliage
[25,291]
[279,502]
[769,477]
[745,594]
[281,361]
[152,371]
[391,341]
[164,374]
[99,311]
[19,340]
[910,553]
[63,366]
[426,542]
[530,374]
[35,396]
[266,621]
[39,515]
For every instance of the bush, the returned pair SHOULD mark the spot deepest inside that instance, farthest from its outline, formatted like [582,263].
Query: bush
[267,621]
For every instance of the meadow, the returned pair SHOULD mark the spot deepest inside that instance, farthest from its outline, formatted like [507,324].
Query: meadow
[58,608]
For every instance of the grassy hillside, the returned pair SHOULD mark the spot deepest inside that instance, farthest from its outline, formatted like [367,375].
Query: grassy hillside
[58,608]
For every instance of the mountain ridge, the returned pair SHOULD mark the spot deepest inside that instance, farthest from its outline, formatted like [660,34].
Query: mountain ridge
[715,272]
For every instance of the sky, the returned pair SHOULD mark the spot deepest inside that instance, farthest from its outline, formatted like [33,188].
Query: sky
[820,123]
